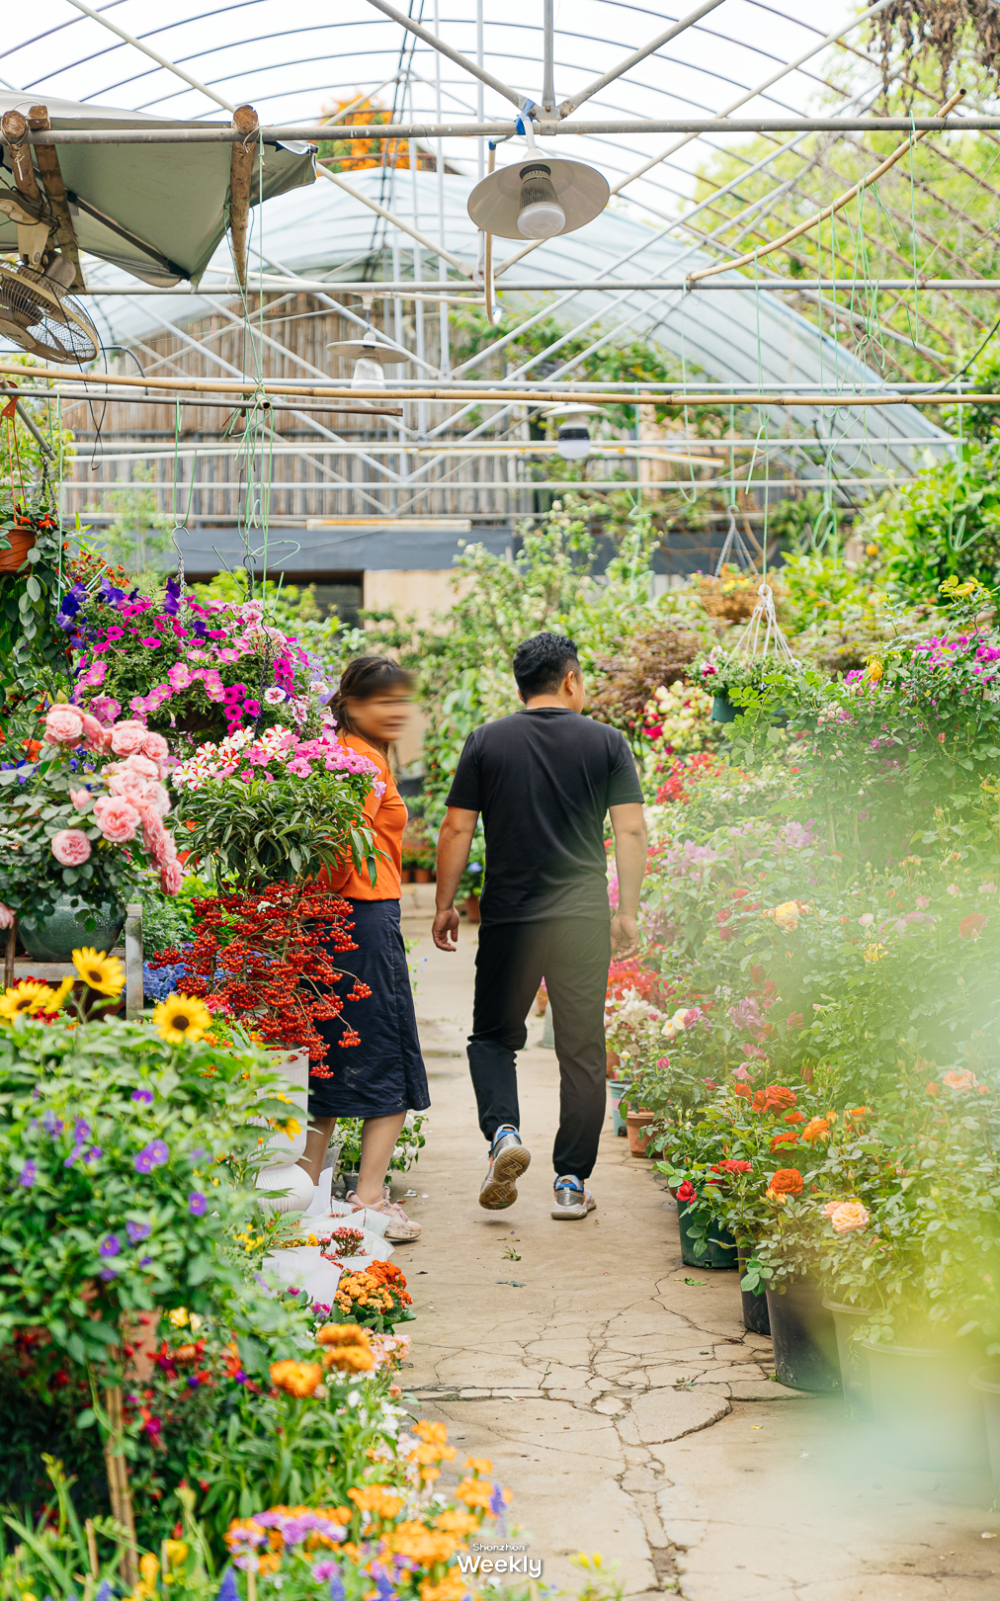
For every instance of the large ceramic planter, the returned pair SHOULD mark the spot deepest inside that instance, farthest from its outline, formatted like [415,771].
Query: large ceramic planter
[472,911]
[986,1381]
[55,938]
[854,1376]
[720,1247]
[619,1092]
[755,1318]
[805,1341]
[927,1414]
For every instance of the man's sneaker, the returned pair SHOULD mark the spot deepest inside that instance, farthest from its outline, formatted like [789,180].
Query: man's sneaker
[508,1160]
[571,1198]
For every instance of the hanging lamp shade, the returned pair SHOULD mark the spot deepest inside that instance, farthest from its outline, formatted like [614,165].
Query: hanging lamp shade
[538,199]
[370,360]
[573,439]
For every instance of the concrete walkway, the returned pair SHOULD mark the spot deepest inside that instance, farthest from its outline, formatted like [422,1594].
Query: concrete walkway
[686,1463]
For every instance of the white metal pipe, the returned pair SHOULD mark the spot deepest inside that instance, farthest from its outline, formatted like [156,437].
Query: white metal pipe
[162,61]
[446,50]
[407,288]
[681,26]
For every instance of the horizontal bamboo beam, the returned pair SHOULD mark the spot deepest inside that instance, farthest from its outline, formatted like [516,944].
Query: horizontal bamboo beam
[105,399]
[466,294]
[221,133]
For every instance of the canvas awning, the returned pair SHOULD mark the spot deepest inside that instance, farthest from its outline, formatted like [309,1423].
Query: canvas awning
[158,211]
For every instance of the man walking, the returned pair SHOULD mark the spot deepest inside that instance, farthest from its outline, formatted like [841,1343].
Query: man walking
[544,779]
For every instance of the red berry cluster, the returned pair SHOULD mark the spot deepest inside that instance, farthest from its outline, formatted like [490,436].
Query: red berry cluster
[264,958]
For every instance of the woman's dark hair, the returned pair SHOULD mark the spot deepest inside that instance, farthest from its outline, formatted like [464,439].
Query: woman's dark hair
[362,678]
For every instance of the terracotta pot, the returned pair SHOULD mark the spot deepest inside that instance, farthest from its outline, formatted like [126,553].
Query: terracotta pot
[21,541]
[639,1125]
[406,875]
[472,909]
[614,1062]
[423,875]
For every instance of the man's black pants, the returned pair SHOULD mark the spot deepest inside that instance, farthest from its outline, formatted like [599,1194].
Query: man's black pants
[572,955]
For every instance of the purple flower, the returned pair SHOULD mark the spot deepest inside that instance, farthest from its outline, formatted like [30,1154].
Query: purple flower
[142,1095]
[111,1245]
[145,1261]
[152,643]
[152,1155]
[53,1125]
[336,1587]
[94,1154]
[137,1231]
[197,1204]
[74,1155]
[107,1274]
[28,1175]
[194,1382]
[81,1130]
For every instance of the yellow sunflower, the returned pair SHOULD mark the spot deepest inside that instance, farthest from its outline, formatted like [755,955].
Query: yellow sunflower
[27,996]
[181,1017]
[99,971]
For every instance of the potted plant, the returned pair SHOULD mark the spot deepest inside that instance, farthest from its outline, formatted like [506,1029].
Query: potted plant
[83,826]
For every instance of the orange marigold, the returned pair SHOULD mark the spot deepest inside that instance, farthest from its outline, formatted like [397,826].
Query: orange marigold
[375,1498]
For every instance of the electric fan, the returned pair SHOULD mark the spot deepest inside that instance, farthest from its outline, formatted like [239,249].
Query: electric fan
[37,313]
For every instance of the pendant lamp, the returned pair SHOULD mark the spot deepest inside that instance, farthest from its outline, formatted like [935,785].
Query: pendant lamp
[538,198]
[573,435]
[370,360]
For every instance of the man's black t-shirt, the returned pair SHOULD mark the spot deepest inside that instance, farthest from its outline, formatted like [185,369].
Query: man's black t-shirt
[543,780]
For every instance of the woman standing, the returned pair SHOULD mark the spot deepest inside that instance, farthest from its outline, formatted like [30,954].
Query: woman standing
[383,1078]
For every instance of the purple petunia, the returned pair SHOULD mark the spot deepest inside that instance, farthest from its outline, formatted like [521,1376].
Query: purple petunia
[74,1155]
[137,1231]
[28,1174]
[111,1245]
[53,1125]
[107,1274]
[81,1131]
[152,1155]
[142,1095]
[197,1204]
[144,1261]
[94,1154]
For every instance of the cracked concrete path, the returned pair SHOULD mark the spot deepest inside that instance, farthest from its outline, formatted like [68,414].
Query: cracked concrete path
[617,1392]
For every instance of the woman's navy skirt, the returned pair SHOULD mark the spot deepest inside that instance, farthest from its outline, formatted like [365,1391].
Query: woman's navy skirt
[385,1073]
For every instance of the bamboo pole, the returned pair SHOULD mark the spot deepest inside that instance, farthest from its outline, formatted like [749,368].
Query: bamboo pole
[15,132]
[119,1489]
[753,256]
[241,163]
[10,947]
[48,166]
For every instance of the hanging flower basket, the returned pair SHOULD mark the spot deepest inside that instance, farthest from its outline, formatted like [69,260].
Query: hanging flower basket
[19,531]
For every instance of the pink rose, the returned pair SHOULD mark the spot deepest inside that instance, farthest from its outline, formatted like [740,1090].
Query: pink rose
[117,818]
[132,785]
[128,737]
[157,798]
[143,765]
[94,736]
[63,725]
[6,916]
[153,831]
[70,847]
[171,878]
[156,748]
[80,798]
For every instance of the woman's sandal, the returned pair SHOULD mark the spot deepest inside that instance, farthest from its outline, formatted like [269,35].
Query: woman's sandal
[400,1229]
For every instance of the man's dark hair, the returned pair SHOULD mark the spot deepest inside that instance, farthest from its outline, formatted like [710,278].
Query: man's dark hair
[542,662]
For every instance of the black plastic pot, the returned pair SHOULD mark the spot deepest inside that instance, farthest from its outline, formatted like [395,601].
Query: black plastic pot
[720,1250]
[926,1411]
[723,710]
[755,1318]
[854,1376]
[805,1342]
[987,1381]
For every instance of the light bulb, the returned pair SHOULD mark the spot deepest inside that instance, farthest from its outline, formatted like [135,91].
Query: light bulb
[368,374]
[540,216]
[573,442]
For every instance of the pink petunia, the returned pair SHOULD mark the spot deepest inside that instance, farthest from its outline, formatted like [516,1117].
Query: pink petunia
[70,847]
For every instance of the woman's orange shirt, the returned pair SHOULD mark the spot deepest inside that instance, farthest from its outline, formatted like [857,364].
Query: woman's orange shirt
[386,815]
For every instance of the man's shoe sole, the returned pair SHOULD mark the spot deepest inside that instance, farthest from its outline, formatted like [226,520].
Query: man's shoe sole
[559,1212]
[500,1189]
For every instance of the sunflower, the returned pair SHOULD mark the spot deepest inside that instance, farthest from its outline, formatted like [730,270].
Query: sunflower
[27,996]
[100,971]
[181,1017]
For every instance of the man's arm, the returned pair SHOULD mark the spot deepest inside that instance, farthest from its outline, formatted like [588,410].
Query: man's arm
[629,825]
[454,845]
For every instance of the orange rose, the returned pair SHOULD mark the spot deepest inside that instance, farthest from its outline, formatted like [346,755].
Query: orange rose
[959,1081]
[783,1140]
[817,1128]
[933,1089]
[787,1181]
[794,1117]
[848,1216]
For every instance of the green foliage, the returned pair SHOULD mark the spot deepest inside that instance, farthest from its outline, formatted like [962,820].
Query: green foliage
[104,1126]
[943,523]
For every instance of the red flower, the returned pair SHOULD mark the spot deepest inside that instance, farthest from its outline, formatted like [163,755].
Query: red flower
[731,1165]
[787,1138]
[687,1192]
[787,1181]
[794,1117]
[744,1092]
